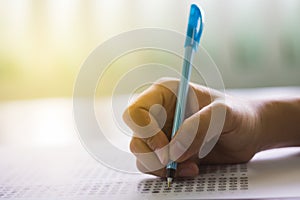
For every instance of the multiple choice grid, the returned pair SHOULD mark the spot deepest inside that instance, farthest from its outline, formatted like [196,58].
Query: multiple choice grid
[96,181]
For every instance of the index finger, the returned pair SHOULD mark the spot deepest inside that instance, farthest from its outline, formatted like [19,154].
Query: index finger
[154,109]
[147,117]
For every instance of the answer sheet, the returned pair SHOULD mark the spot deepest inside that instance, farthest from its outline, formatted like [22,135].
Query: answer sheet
[71,173]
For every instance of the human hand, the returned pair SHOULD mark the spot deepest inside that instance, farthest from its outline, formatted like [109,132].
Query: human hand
[151,115]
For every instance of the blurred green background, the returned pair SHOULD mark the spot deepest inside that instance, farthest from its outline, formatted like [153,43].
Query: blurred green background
[43,43]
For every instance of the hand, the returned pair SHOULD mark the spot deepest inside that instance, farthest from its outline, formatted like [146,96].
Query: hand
[151,115]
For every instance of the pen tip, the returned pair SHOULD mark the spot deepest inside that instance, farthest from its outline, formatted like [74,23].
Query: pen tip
[169,180]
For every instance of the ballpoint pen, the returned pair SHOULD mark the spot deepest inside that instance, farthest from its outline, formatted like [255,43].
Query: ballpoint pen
[194,32]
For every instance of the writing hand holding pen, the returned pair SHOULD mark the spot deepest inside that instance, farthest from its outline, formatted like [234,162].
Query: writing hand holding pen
[250,126]
[238,137]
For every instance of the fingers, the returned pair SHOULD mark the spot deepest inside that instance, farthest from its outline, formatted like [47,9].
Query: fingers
[147,156]
[161,172]
[147,118]
[153,110]
[148,162]
[186,169]
[150,117]
[201,131]
[190,136]
[159,145]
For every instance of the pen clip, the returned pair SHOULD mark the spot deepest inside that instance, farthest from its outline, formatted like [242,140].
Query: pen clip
[194,35]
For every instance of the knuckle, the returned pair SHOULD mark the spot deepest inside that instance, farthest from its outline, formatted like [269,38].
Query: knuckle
[168,83]
[129,113]
[136,117]
[223,106]
[132,109]
[167,87]
[166,80]
[151,142]
[134,145]
[219,103]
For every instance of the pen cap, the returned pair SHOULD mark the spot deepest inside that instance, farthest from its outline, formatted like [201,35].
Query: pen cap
[195,22]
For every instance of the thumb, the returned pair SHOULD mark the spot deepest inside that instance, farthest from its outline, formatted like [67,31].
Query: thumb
[199,133]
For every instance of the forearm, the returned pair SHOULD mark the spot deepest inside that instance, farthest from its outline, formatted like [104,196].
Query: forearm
[280,123]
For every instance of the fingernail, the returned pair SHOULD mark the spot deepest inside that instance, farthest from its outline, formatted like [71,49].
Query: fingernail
[176,150]
[163,155]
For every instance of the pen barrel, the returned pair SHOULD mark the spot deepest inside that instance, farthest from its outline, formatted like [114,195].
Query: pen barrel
[182,95]
[171,165]
[191,44]
[171,172]
[183,89]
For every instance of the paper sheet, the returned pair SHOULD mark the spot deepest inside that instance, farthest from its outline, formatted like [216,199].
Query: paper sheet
[73,174]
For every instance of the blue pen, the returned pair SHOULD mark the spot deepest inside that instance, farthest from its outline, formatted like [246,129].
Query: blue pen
[191,45]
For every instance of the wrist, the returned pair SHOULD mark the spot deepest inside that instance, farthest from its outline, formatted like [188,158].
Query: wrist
[279,123]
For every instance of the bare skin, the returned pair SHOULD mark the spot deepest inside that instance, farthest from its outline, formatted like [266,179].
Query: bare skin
[249,127]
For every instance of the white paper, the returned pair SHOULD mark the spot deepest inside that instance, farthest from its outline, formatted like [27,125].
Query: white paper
[72,174]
